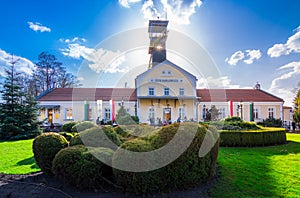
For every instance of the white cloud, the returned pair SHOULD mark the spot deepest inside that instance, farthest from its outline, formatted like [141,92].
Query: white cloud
[235,58]
[212,82]
[291,45]
[178,11]
[101,60]
[38,27]
[22,65]
[149,11]
[252,54]
[126,3]
[284,85]
[73,40]
[247,57]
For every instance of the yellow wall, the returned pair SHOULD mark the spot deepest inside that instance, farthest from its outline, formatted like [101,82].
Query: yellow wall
[156,73]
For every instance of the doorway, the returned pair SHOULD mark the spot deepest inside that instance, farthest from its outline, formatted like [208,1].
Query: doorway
[167,114]
[50,116]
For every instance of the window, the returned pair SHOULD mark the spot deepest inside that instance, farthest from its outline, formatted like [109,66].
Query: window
[68,114]
[181,91]
[181,113]
[222,113]
[151,91]
[166,91]
[107,113]
[151,115]
[271,112]
[255,113]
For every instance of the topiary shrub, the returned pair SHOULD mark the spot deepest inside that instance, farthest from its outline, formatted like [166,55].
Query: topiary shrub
[45,147]
[81,126]
[68,136]
[98,137]
[78,166]
[186,171]
[75,140]
[67,127]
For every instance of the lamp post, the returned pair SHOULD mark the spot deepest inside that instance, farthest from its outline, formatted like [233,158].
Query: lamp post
[241,107]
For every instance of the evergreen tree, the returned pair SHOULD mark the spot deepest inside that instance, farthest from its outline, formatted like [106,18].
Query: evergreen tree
[212,114]
[18,111]
[12,106]
[124,118]
[296,112]
[31,123]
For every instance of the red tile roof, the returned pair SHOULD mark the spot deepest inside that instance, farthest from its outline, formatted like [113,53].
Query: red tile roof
[129,94]
[80,94]
[236,95]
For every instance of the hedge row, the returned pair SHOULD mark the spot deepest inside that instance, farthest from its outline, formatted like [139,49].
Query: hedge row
[252,138]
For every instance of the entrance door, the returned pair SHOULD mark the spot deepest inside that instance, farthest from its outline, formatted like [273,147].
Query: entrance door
[167,114]
[50,116]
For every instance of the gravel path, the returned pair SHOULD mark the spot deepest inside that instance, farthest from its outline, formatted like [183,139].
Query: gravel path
[39,185]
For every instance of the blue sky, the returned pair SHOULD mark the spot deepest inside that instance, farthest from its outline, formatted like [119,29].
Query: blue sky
[248,41]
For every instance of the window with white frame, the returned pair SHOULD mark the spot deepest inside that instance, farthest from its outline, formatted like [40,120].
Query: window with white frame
[151,91]
[222,113]
[256,113]
[181,113]
[107,113]
[151,114]
[271,112]
[68,114]
[181,91]
[166,91]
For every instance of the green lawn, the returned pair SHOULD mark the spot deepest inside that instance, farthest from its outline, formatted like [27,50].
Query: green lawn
[17,157]
[272,171]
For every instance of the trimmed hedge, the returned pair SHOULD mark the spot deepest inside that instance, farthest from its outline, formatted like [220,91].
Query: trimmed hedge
[92,137]
[68,136]
[67,127]
[78,166]
[75,140]
[81,126]
[252,138]
[45,147]
[186,171]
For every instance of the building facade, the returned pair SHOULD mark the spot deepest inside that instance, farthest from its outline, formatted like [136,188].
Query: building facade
[164,92]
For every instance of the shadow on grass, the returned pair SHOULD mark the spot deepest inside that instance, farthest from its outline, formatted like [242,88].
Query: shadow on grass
[28,161]
[255,172]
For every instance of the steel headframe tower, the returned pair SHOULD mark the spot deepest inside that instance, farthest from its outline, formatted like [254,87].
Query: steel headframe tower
[158,35]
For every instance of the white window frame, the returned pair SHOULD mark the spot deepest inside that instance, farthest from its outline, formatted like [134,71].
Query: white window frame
[151,113]
[107,113]
[273,112]
[152,90]
[181,112]
[166,91]
[68,111]
[256,111]
[222,111]
[181,91]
